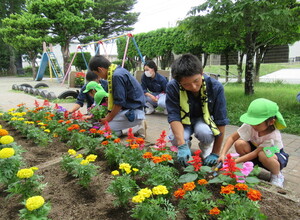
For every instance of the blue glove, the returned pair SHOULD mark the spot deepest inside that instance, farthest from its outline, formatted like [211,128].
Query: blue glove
[211,159]
[183,155]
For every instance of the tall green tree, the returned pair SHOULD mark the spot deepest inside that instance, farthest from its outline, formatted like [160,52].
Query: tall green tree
[249,24]
[69,20]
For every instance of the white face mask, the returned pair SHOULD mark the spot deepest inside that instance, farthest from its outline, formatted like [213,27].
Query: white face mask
[148,74]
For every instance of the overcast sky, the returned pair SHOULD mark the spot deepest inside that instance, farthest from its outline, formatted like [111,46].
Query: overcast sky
[161,13]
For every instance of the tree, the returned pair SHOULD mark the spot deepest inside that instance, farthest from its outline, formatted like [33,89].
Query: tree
[26,33]
[69,20]
[254,23]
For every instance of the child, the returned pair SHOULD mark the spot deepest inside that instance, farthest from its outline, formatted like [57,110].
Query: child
[259,140]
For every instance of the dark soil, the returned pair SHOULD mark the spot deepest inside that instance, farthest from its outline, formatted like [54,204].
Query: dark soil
[70,201]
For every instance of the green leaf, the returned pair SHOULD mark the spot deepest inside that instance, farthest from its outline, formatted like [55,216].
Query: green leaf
[252,180]
[189,177]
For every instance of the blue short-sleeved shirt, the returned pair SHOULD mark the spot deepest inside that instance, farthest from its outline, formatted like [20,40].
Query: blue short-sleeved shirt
[86,97]
[156,85]
[216,102]
[127,91]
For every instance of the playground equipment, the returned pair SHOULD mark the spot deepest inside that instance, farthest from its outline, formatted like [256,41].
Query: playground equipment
[100,42]
[49,59]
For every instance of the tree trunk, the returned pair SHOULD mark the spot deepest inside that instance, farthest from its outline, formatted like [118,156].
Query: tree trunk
[249,89]
[66,55]
[205,59]
[12,70]
[260,53]
[240,67]
[19,65]
[226,66]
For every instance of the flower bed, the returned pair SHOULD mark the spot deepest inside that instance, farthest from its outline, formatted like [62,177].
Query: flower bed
[139,180]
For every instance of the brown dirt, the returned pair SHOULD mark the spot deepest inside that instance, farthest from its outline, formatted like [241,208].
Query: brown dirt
[70,201]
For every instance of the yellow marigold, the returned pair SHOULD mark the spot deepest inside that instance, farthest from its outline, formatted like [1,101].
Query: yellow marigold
[241,186]
[34,168]
[7,139]
[1,125]
[189,186]
[202,182]
[41,123]
[3,132]
[14,119]
[159,190]
[11,110]
[25,173]
[123,166]
[115,173]
[34,202]
[127,170]
[254,195]
[145,192]
[43,127]
[84,162]
[138,199]
[135,169]
[79,156]
[214,211]
[47,130]
[1,114]
[91,157]
[28,122]
[6,152]
[21,119]
[72,152]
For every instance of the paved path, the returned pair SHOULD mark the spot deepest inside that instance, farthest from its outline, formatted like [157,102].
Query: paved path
[156,124]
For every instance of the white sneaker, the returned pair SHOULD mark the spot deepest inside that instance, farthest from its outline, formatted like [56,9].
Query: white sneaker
[149,109]
[141,129]
[165,112]
[277,180]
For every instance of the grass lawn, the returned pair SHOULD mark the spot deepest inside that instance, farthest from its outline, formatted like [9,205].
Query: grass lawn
[283,94]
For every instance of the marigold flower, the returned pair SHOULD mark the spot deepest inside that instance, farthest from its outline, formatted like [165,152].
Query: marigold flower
[147,155]
[25,173]
[227,190]
[55,135]
[68,122]
[166,157]
[134,146]
[241,186]
[82,131]
[104,143]
[6,152]
[72,152]
[34,168]
[84,162]
[79,156]
[93,130]
[123,166]
[118,140]
[145,192]
[115,173]
[179,193]
[135,169]
[60,121]
[47,130]
[108,136]
[202,182]
[3,132]
[100,132]
[91,157]
[189,186]
[254,195]
[34,202]
[7,139]
[138,199]
[160,190]
[214,211]
[127,170]
[157,159]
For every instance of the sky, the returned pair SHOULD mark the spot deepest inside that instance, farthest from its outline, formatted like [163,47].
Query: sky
[156,14]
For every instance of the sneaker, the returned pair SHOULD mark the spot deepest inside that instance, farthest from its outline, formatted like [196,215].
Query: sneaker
[205,150]
[141,130]
[277,180]
[165,112]
[149,109]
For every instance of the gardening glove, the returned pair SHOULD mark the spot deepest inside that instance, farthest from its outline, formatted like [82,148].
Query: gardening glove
[183,154]
[211,159]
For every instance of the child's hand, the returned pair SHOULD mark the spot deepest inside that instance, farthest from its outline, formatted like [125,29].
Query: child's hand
[221,158]
[87,117]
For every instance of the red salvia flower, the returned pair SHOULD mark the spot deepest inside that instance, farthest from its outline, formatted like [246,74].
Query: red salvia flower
[229,167]
[197,161]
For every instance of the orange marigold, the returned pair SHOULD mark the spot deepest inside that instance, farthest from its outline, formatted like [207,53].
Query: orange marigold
[104,143]
[93,130]
[140,140]
[100,132]
[108,136]
[214,211]
[241,186]
[134,146]
[189,186]
[227,190]
[60,121]
[68,122]
[254,195]
[148,155]
[202,182]
[118,140]
[157,159]
[82,130]
[179,193]
[3,132]
[166,157]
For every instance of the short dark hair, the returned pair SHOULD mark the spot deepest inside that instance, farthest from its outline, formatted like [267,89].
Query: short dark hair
[98,61]
[151,64]
[186,65]
[91,76]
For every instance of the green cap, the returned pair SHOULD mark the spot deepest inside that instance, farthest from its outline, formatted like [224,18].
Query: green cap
[260,110]
[99,96]
[93,85]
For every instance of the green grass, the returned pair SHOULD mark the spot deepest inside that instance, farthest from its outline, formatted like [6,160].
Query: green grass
[265,68]
[283,94]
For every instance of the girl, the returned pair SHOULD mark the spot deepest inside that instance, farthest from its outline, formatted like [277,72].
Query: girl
[259,140]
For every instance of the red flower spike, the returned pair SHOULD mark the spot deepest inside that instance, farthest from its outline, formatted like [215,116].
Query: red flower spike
[36,103]
[229,167]
[46,103]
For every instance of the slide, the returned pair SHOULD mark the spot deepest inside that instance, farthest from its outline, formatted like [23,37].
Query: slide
[42,68]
